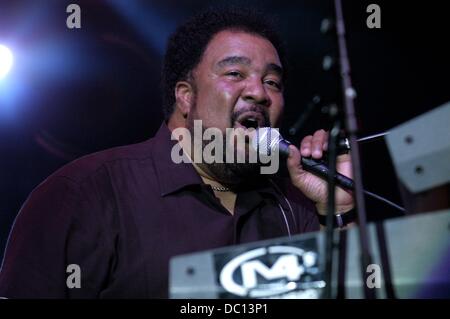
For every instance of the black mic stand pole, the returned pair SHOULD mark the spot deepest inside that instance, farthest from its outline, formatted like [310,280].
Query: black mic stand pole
[329,230]
[352,128]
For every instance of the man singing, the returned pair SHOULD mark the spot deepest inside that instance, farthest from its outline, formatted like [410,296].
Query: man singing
[119,215]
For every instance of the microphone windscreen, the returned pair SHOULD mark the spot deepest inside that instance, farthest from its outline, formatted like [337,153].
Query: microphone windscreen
[266,140]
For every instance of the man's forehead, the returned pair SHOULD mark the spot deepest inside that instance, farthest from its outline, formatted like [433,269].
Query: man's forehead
[236,47]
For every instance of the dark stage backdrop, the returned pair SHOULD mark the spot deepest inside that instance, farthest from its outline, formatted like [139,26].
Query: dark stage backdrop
[77,91]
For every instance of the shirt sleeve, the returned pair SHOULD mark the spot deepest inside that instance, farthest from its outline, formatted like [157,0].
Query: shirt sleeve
[304,208]
[57,247]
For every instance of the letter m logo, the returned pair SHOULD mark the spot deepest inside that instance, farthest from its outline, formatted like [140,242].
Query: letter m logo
[286,266]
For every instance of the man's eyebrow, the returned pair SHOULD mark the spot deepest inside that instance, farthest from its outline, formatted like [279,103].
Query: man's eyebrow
[246,61]
[275,68]
[234,60]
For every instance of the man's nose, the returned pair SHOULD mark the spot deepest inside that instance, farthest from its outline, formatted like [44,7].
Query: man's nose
[256,93]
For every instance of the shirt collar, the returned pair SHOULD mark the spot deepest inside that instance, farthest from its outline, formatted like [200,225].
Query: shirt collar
[171,176]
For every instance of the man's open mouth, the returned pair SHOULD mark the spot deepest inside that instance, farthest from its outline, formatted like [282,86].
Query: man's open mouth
[249,120]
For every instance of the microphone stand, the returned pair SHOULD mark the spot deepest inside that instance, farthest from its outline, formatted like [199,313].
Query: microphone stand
[352,128]
[305,115]
[329,230]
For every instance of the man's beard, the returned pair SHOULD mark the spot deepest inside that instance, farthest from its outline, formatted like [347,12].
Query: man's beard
[233,175]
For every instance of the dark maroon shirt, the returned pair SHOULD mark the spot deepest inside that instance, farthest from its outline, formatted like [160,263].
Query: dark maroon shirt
[121,214]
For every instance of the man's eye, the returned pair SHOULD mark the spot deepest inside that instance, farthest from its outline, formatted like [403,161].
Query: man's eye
[234,74]
[273,83]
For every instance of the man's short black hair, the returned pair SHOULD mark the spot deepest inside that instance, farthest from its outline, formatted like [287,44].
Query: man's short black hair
[186,46]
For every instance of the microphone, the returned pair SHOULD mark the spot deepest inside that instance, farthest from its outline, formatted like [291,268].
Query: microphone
[268,140]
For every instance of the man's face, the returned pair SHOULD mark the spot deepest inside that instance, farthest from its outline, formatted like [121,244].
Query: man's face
[238,82]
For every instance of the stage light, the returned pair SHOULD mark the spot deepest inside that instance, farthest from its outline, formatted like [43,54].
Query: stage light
[6,61]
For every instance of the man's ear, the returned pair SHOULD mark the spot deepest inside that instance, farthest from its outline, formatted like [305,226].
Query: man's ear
[184,96]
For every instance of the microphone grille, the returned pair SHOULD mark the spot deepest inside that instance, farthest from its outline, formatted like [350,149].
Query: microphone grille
[266,140]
